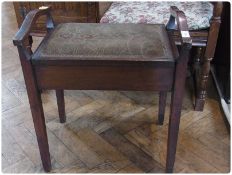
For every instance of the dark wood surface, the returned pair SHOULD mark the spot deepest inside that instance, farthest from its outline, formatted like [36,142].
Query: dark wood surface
[105,77]
[222,59]
[162,105]
[35,101]
[61,105]
[178,87]
[155,77]
[130,116]
[29,22]
[205,41]
[62,12]
[202,70]
[200,38]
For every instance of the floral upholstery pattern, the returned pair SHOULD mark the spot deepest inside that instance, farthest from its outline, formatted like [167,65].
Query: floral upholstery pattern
[198,13]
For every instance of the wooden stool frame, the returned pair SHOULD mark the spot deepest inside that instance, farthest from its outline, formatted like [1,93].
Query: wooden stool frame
[35,81]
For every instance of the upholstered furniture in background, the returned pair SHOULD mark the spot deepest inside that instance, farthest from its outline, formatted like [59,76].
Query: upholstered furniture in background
[203,20]
[198,14]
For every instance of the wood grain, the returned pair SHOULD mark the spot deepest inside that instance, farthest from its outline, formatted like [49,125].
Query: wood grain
[132,115]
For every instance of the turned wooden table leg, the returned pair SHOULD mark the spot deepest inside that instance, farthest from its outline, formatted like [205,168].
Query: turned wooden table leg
[35,101]
[162,105]
[61,105]
[208,56]
[199,51]
[199,80]
[202,85]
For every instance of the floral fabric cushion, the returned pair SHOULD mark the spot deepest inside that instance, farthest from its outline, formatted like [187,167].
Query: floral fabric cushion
[198,13]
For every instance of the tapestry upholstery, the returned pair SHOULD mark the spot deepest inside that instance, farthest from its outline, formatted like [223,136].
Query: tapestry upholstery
[93,41]
[198,13]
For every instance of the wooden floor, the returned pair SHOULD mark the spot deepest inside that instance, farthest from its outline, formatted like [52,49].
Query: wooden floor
[106,131]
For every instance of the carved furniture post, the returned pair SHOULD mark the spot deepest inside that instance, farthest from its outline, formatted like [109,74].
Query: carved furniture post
[208,56]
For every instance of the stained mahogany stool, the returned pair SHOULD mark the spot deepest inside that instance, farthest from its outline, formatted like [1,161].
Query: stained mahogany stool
[139,57]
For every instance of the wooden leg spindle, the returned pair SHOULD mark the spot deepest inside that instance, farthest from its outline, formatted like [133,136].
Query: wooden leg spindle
[37,112]
[61,105]
[176,104]
[162,105]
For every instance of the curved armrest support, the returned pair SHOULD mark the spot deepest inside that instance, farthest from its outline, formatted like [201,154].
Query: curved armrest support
[182,26]
[28,22]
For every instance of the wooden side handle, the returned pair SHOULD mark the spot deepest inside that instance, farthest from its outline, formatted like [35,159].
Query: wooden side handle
[29,21]
[182,26]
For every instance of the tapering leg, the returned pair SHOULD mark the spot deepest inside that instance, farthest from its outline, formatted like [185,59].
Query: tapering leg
[176,104]
[61,105]
[173,131]
[40,129]
[175,112]
[35,101]
[174,121]
[162,105]
[38,120]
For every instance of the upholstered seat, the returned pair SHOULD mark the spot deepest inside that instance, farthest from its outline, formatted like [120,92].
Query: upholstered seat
[123,42]
[134,57]
[198,13]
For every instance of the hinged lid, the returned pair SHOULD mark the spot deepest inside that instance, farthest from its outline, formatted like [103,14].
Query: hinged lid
[108,42]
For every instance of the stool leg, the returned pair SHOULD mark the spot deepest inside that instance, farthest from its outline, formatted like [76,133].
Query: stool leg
[162,105]
[176,104]
[40,129]
[61,105]
[37,112]
[173,131]
[175,112]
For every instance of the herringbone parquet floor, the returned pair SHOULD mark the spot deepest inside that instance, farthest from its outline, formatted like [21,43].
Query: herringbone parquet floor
[106,131]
